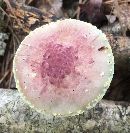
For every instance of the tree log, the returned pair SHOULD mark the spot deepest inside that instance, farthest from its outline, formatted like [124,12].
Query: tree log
[17,117]
[119,89]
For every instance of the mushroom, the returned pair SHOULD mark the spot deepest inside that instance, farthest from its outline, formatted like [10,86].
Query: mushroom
[64,67]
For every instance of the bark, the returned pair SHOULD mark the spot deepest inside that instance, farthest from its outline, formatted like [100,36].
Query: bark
[17,117]
[119,89]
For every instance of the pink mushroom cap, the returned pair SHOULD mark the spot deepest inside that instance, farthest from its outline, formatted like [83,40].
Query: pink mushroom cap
[64,67]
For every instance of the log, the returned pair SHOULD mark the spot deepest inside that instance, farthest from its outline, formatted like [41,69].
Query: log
[119,89]
[18,117]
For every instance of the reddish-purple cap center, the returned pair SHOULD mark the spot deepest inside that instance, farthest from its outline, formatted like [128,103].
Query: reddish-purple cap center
[58,61]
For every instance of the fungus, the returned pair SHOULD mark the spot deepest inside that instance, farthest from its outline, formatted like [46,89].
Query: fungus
[64,67]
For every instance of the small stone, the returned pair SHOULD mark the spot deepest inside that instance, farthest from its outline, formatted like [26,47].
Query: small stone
[90,124]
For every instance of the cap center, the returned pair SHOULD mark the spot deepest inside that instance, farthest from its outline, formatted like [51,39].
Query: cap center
[58,62]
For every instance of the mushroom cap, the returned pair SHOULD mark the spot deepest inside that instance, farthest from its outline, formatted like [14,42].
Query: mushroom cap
[64,67]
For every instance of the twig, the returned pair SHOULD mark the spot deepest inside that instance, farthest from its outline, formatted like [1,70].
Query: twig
[4,11]
[111,14]
[5,75]
[28,2]
[110,2]
[78,10]
[13,33]
[9,5]
[11,75]
[9,26]
[74,14]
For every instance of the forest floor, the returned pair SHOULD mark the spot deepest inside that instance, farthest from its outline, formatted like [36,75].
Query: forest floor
[19,17]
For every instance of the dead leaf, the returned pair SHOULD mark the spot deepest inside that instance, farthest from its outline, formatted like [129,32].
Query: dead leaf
[92,12]
[26,18]
[53,6]
[111,18]
[123,13]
